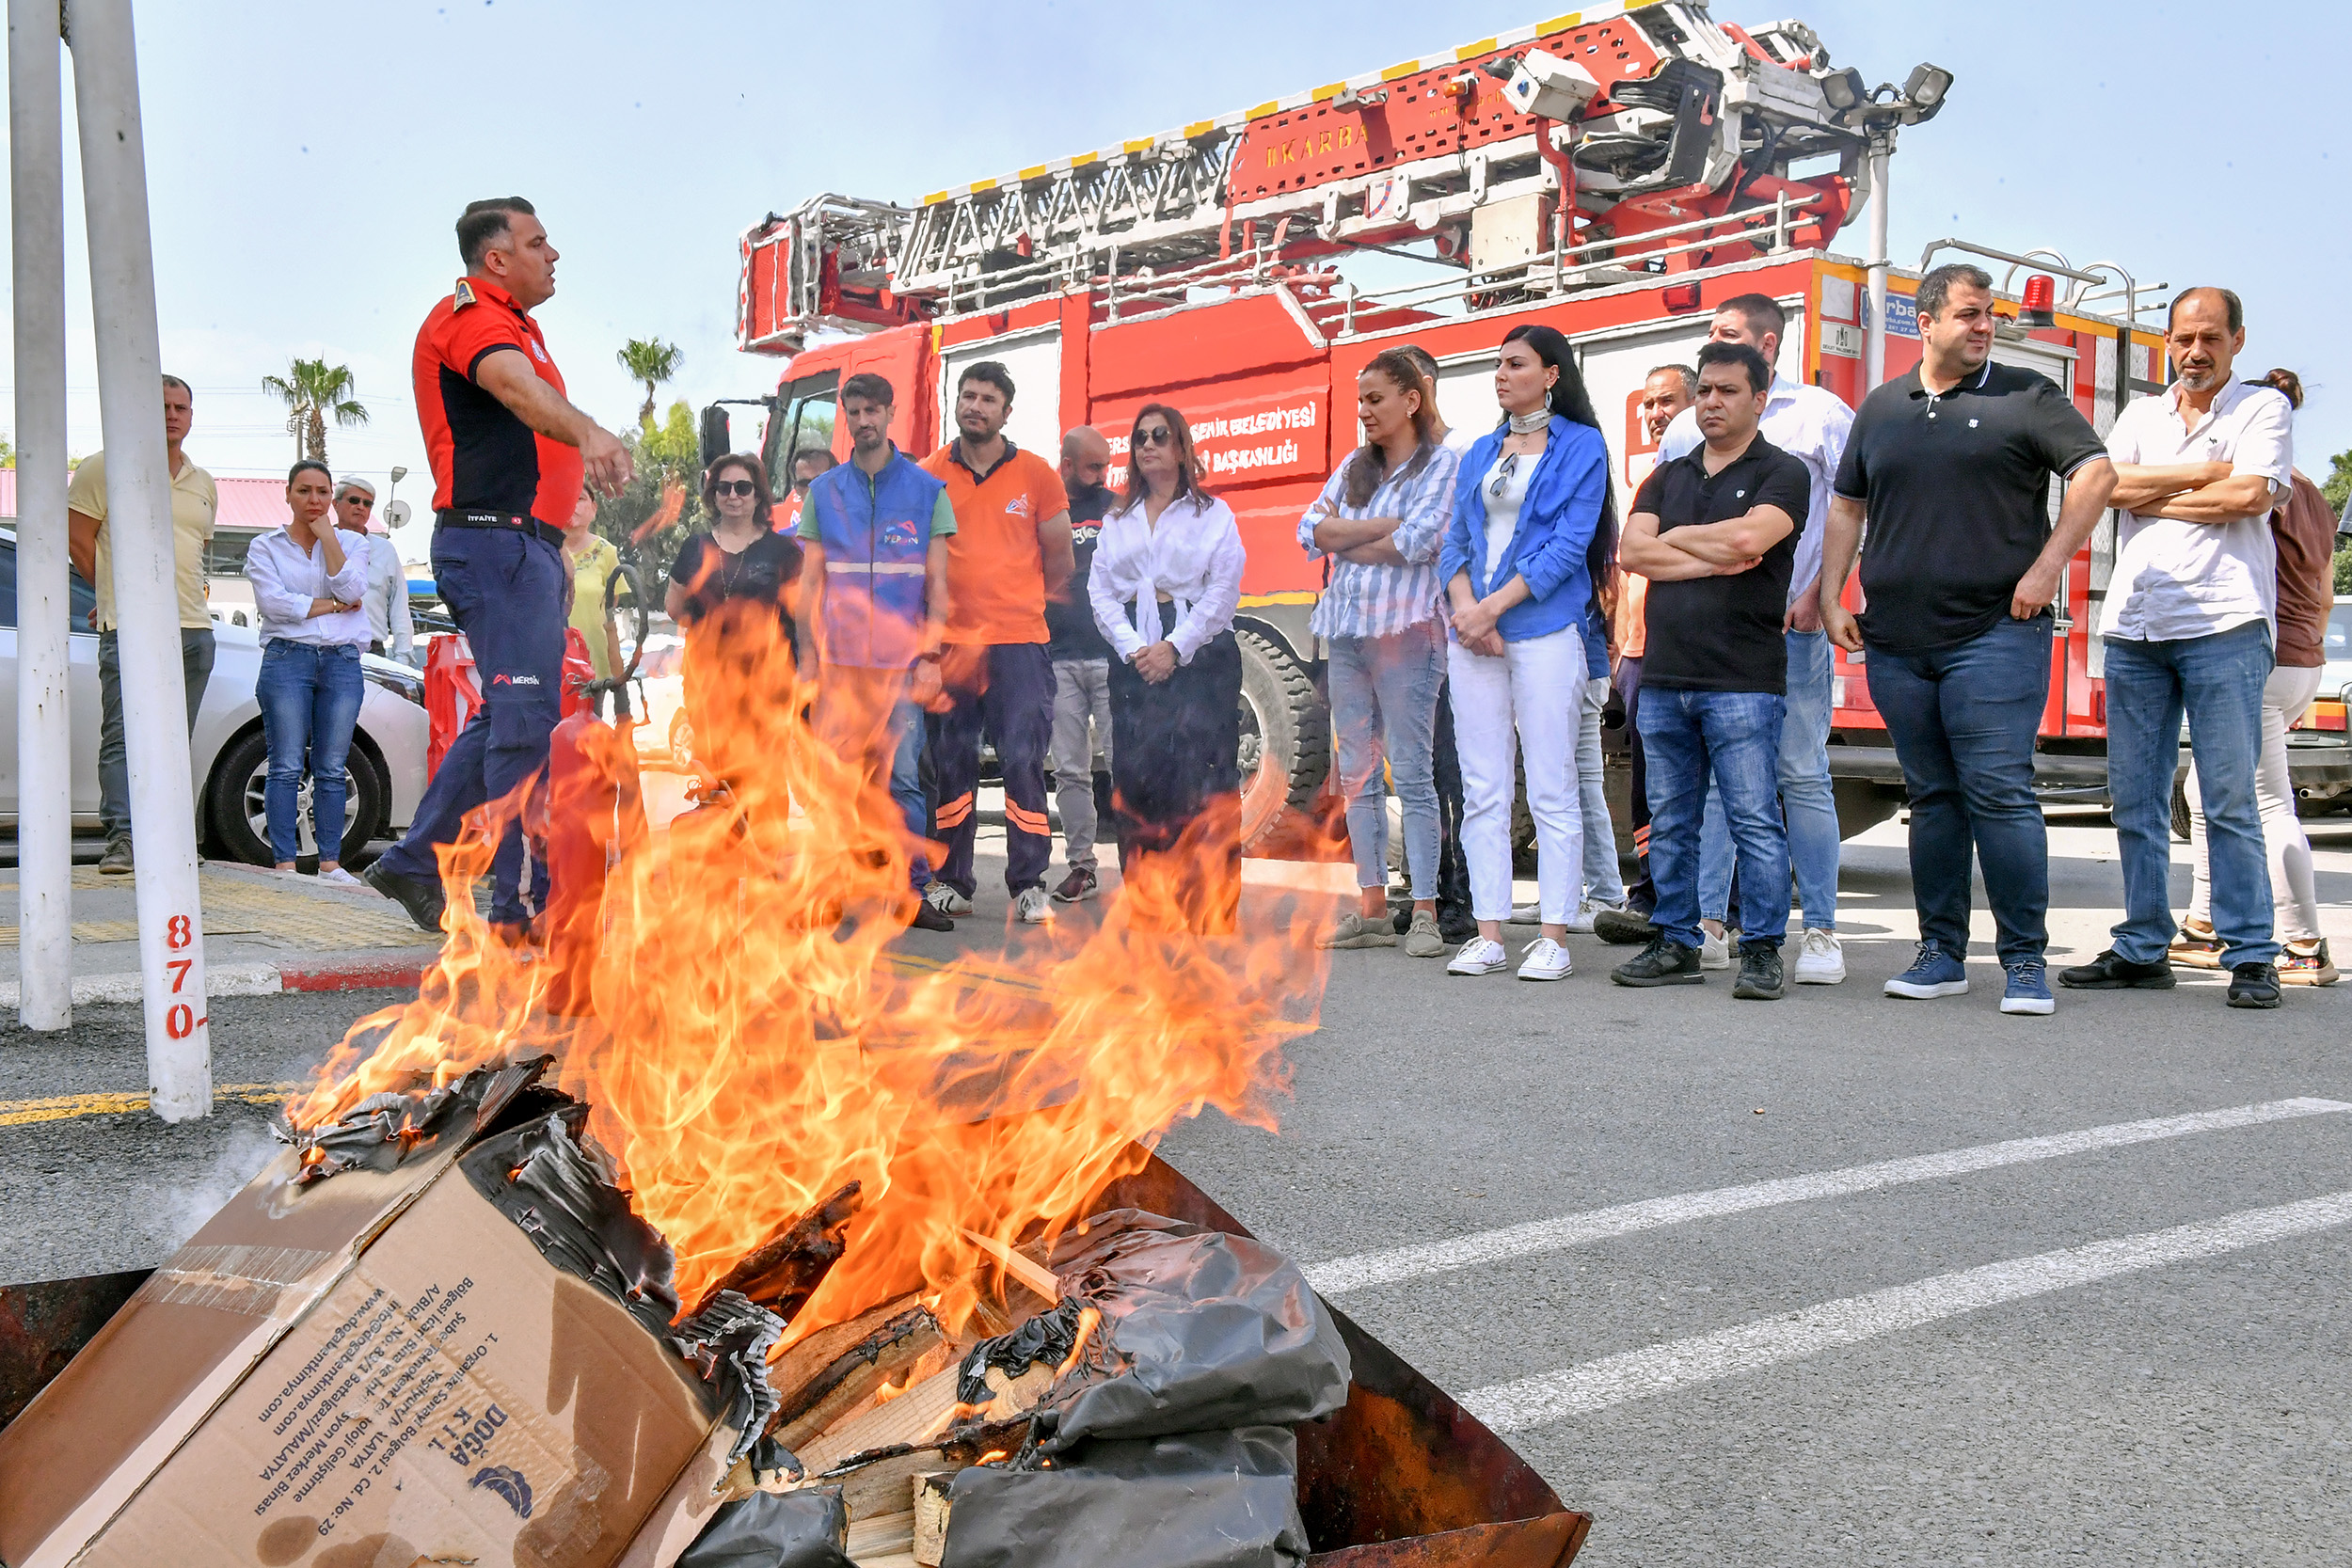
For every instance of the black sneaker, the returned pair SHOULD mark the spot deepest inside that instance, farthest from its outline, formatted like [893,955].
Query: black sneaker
[1661,963]
[116,861]
[930,917]
[1623,928]
[424,901]
[1080,884]
[2111,971]
[1455,924]
[2254,985]
[1759,974]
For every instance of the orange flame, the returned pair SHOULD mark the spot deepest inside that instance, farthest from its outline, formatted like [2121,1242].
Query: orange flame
[755,1041]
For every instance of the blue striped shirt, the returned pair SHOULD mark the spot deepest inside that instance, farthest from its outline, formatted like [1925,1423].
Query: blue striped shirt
[1380,601]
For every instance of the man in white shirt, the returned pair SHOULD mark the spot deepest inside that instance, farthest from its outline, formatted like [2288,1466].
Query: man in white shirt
[1810,425]
[390,632]
[2192,612]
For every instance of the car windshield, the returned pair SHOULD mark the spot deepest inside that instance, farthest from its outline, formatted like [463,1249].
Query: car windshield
[2340,634]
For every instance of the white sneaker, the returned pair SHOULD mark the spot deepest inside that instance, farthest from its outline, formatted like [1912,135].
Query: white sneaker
[1546,959]
[1029,907]
[1820,961]
[1589,910]
[1478,957]
[946,900]
[1527,915]
[1714,950]
[338,877]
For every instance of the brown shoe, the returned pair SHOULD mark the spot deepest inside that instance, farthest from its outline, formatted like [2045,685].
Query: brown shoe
[2298,968]
[2196,947]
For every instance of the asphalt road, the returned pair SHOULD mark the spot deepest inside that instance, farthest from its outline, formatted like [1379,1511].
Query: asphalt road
[2109,1326]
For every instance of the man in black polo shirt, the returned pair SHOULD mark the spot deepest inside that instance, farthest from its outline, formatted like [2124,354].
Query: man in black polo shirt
[1715,532]
[509,452]
[1951,465]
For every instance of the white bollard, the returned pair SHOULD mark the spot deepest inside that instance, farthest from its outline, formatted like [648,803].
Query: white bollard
[138,518]
[44,750]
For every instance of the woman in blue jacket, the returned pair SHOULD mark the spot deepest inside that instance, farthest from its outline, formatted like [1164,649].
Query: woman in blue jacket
[1533,529]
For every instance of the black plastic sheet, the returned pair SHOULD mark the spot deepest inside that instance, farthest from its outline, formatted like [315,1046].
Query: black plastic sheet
[1207,1499]
[378,1133]
[809,1528]
[1197,1330]
[561,1190]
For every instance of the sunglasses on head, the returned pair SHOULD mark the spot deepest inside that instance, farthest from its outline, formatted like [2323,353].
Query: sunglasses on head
[1154,436]
[734,488]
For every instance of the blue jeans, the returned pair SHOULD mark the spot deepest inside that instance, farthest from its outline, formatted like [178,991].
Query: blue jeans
[310,697]
[506,591]
[1735,736]
[1384,705]
[1963,721]
[906,785]
[1808,804]
[2217,681]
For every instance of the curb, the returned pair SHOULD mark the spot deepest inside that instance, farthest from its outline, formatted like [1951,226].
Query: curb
[243,979]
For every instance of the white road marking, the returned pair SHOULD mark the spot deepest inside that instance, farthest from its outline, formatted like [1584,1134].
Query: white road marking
[1753,1346]
[1365,1269]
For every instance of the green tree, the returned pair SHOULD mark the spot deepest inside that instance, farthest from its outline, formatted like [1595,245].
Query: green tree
[2337,487]
[666,454]
[8,452]
[653,362]
[313,392]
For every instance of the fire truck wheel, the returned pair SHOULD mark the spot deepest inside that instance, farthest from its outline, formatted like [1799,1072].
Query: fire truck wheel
[1286,737]
[233,801]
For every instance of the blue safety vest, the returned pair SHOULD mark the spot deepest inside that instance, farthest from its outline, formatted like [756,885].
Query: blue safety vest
[875,534]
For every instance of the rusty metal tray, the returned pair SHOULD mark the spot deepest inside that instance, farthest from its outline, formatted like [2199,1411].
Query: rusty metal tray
[1401,1478]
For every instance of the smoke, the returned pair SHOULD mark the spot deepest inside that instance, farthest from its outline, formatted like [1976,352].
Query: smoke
[182,1209]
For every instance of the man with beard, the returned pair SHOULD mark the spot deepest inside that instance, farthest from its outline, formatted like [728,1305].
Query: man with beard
[2189,630]
[1082,664]
[1010,555]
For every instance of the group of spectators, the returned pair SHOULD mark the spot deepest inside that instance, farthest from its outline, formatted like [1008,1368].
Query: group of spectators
[323,590]
[1483,607]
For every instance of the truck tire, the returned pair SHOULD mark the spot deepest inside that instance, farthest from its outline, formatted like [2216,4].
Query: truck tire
[1286,737]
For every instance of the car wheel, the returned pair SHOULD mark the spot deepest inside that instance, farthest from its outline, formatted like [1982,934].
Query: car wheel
[236,803]
[681,742]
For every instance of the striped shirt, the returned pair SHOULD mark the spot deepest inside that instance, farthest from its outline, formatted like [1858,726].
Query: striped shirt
[1363,600]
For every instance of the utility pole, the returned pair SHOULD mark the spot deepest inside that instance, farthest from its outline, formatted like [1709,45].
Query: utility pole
[44,779]
[138,518]
[1874,338]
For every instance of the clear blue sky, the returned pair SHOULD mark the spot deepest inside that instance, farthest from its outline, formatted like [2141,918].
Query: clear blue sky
[307,160]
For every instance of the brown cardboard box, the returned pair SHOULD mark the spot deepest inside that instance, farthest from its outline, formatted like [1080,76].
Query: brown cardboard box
[372,1370]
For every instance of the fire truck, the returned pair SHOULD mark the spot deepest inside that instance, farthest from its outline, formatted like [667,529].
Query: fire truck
[1615,173]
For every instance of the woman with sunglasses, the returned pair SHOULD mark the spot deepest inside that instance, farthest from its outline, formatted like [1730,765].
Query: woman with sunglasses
[311,597]
[1379,520]
[1165,584]
[1533,530]
[735,591]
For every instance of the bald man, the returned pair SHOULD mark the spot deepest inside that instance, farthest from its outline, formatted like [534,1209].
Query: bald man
[1081,667]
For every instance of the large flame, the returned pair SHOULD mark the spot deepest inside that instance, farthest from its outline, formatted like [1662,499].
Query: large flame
[753,1043]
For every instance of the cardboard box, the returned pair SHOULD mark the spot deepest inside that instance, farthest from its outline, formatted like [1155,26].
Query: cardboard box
[371,1370]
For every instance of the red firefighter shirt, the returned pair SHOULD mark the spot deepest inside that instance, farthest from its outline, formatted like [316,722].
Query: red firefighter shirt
[483,458]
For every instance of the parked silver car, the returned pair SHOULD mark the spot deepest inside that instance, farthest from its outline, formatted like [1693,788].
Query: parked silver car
[227,758]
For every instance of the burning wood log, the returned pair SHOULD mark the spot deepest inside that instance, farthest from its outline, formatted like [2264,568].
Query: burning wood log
[825,1376]
[783,1272]
[926,1408]
[934,1495]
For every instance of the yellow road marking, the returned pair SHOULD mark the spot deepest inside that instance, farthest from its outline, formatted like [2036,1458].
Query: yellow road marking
[64,1107]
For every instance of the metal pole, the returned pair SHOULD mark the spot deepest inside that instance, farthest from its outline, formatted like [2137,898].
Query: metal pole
[138,518]
[1874,335]
[44,747]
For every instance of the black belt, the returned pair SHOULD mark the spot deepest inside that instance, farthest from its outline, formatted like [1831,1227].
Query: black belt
[500,519]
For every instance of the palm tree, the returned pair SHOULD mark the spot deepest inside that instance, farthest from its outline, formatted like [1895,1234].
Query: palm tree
[314,392]
[653,362]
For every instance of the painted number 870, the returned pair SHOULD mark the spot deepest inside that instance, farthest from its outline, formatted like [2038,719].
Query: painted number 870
[179,933]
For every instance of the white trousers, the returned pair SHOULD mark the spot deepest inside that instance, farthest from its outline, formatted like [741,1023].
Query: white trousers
[1535,690]
[2294,896]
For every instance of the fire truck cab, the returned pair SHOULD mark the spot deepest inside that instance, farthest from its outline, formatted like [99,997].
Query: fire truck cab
[1616,174]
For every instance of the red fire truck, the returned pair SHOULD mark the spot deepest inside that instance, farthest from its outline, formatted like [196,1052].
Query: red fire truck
[1615,173]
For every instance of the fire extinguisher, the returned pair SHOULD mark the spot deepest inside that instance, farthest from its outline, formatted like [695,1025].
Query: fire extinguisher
[595,810]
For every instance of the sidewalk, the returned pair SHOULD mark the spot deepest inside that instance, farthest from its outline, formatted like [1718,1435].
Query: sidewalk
[264,932]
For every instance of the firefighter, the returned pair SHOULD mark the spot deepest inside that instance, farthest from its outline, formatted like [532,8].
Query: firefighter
[509,452]
[1011,553]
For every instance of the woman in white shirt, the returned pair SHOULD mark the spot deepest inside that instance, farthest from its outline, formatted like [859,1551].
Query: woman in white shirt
[311,600]
[1166,580]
